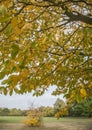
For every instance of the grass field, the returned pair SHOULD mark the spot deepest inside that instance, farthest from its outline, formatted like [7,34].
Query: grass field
[16,123]
[20,119]
[11,119]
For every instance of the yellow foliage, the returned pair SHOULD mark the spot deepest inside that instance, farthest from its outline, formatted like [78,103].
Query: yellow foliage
[24,73]
[34,118]
[17,30]
[14,22]
[54,50]
[83,92]
[90,85]
[32,86]
[32,121]
[62,112]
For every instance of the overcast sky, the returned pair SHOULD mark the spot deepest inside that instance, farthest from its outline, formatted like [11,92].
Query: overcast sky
[24,101]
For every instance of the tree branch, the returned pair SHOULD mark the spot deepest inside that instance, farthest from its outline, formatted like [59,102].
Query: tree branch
[81,1]
[70,14]
[14,15]
[79,17]
[45,29]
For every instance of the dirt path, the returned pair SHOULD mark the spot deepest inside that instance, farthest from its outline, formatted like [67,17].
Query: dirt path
[49,126]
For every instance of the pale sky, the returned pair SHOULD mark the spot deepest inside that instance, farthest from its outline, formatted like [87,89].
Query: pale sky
[24,101]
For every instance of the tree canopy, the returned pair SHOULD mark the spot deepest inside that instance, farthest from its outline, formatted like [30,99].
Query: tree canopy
[46,42]
[58,105]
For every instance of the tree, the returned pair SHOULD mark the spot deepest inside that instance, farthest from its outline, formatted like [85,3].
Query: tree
[4,112]
[47,111]
[60,108]
[58,105]
[16,112]
[34,116]
[46,42]
[83,108]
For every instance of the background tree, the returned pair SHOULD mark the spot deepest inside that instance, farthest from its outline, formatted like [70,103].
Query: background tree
[12,112]
[60,108]
[4,111]
[46,42]
[81,109]
[47,111]
[16,112]
[58,105]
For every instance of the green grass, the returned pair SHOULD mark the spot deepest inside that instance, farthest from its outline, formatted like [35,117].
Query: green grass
[12,119]
[50,123]
[20,119]
[66,119]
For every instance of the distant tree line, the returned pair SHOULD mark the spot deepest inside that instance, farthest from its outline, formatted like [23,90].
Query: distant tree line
[59,109]
[75,109]
[12,112]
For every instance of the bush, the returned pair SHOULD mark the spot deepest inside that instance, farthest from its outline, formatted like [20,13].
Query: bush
[34,118]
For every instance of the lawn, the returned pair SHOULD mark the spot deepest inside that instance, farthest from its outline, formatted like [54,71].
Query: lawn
[20,119]
[16,123]
[11,119]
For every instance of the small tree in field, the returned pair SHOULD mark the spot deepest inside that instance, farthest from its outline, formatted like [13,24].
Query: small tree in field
[34,117]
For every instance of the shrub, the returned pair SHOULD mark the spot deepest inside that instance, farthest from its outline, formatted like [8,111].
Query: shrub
[34,118]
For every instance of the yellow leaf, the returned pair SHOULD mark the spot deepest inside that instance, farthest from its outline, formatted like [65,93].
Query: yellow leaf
[14,21]
[32,86]
[90,85]
[17,31]
[83,92]
[44,40]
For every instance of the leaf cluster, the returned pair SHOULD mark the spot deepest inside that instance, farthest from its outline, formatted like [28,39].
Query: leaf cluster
[45,43]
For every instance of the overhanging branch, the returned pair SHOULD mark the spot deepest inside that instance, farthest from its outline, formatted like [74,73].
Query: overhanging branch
[79,17]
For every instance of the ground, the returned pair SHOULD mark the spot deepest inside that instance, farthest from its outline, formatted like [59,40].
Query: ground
[52,124]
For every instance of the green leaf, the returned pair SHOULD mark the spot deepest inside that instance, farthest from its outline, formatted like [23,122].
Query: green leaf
[15,49]
[8,30]
[5,81]
[2,74]
[13,69]
[3,10]
[22,64]
[16,90]
[11,92]
[78,98]
[5,19]
[5,91]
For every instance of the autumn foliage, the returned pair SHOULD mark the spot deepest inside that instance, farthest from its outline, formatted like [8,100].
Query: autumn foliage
[34,118]
[62,113]
[45,43]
